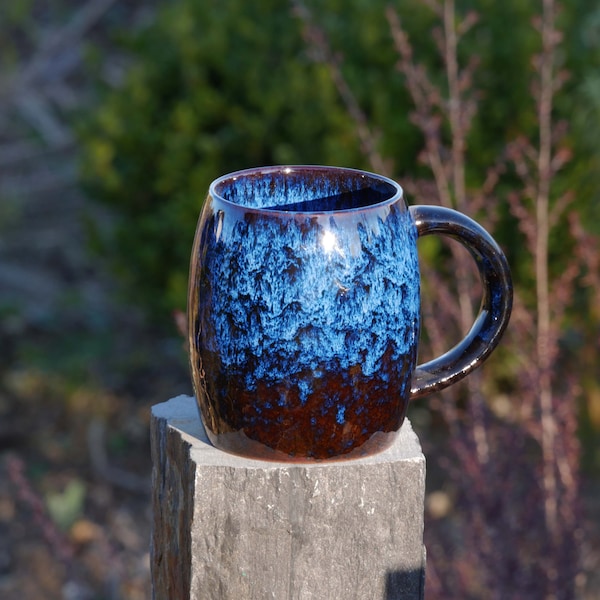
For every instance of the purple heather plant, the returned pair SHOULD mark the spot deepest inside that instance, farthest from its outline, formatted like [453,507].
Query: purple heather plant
[510,460]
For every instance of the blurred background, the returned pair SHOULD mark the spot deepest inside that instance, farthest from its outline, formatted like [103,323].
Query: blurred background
[115,117]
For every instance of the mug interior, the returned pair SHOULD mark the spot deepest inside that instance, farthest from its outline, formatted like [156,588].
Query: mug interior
[305,189]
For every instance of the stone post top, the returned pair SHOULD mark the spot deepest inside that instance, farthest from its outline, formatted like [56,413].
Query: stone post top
[181,413]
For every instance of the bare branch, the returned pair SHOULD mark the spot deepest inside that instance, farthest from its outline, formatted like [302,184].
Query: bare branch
[317,40]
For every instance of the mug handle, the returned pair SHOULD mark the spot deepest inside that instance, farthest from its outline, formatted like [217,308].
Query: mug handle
[496,303]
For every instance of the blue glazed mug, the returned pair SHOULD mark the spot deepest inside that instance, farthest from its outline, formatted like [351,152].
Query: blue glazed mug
[304,311]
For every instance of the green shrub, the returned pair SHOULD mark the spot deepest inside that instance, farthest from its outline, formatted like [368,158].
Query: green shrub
[215,86]
[220,85]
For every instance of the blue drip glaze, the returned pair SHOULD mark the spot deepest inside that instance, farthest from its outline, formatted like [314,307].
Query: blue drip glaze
[295,294]
[303,310]
[307,311]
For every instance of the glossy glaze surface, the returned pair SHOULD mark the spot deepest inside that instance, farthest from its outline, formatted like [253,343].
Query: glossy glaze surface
[303,312]
[307,312]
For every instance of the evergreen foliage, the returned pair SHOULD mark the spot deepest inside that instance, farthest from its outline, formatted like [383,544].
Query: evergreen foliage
[215,87]
[220,85]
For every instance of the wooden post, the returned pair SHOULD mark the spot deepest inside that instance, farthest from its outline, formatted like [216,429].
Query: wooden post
[229,528]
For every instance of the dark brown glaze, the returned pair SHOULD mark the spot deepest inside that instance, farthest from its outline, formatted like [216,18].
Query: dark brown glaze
[347,415]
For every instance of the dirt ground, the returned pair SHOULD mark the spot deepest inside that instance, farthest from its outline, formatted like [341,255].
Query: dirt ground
[78,371]
[78,375]
[77,378]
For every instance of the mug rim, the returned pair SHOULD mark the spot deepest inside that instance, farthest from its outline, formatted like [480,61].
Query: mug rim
[398,193]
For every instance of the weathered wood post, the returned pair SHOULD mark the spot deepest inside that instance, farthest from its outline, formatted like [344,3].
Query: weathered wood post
[228,528]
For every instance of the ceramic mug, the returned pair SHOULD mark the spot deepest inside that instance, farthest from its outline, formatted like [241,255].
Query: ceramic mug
[304,311]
